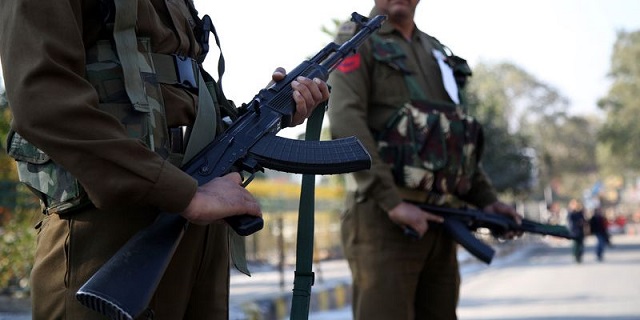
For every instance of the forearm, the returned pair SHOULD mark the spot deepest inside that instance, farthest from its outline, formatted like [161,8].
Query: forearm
[482,192]
[348,116]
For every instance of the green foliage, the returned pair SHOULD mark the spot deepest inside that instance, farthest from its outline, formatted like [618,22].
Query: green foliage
[530,141]
[17,245]
[617,153]
[6,164]
[506,159]
[18,210]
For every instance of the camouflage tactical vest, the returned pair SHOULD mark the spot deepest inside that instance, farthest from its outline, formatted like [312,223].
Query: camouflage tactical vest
[431,149]
[432,146]
[139,107]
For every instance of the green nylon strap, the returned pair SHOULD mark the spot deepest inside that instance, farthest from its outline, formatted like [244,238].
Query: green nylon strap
[414,89]
[202,133]
[204,128]
[304,276]
[124,35]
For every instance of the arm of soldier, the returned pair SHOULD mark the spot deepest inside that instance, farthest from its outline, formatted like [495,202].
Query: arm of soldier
[482,192]
[348,116]
[483,195]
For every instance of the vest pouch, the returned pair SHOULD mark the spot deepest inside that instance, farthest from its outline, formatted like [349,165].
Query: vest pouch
[431,149]
[58,191]
[104,72]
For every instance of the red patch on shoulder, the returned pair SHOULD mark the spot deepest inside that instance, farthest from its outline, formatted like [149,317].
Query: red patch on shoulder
[350,63]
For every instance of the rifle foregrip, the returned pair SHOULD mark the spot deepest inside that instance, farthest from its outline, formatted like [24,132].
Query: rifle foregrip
[312,157]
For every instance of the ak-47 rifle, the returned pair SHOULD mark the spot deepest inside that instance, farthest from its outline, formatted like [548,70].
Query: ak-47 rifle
[460,223]
[124,285]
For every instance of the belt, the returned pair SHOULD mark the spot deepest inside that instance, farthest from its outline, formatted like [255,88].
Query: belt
[177,70]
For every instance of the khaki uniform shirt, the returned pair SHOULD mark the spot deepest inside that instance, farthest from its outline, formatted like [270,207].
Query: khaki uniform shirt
[366,92]
[42,49]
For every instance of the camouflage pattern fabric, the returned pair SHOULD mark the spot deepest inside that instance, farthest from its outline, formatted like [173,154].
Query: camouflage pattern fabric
[105,73]
[431,149]
[57,189]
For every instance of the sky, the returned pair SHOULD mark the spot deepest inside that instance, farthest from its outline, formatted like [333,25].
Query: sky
[564,43]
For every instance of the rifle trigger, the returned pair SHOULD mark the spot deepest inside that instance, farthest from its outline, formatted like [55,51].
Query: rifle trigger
[246,182]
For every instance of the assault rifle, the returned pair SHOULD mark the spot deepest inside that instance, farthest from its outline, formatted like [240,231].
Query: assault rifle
[460,223]
[124,285]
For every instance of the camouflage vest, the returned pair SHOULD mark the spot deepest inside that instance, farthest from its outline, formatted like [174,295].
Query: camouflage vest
[127,77]
[432,146]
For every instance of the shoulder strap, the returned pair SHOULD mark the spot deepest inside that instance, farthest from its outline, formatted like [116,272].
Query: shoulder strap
[205,27]
[460,67]
[391,48]
[124,34]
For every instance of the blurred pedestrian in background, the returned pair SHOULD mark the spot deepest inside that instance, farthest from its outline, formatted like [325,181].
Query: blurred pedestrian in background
[577,225]
[598,227]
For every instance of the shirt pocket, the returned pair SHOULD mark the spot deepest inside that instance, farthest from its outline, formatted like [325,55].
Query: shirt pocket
[388,85]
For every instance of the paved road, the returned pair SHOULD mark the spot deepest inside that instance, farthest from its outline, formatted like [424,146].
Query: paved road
[545,284]
[549,285]
[538,282]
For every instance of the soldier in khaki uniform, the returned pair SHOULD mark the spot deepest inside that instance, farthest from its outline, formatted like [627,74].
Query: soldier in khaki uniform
[393,94]
[104,170]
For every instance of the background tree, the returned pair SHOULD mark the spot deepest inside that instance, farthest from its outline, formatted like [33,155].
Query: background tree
[617,151]
[505,158]
[531,142]
[569,144]
[18,213]
[8,175]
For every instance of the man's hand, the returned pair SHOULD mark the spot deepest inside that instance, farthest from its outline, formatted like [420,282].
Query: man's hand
[219,198]
[408,215]
[507,210]
[307,94]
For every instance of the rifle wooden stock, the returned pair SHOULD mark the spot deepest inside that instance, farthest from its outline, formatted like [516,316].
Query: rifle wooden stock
[123,287]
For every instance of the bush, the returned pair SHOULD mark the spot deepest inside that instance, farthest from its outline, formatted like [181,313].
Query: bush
[17,247]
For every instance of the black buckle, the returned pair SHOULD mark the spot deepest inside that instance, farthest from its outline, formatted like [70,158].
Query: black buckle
[186,69]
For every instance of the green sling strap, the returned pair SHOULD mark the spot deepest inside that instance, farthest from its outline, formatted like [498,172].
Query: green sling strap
[203,132]
[304,276]
[204,128]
